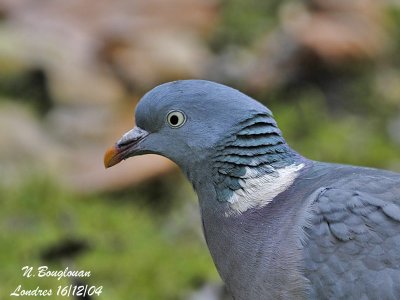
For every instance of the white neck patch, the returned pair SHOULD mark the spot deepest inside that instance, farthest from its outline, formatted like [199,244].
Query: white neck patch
[259,191]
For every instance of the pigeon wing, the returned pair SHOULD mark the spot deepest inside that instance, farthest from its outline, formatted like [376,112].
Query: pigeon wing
[352,249]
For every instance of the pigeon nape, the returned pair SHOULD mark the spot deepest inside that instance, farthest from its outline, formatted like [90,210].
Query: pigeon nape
[278,225]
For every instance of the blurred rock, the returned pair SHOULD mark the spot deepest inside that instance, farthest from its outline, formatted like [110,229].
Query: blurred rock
[20,130]
[312,32]
[337,31]
[89,175]
[25,146]
[28,147]
[81,45]
[97,60]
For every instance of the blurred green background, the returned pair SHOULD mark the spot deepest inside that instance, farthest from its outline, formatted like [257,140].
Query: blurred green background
[71,74]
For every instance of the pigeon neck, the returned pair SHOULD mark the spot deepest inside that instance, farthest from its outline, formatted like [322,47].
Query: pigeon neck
[259,250]
[252,160]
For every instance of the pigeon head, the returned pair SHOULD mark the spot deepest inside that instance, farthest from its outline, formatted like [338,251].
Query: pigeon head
[208,129]
[184,121]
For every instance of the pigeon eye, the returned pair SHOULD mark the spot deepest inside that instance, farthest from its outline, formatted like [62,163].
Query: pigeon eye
[176,119]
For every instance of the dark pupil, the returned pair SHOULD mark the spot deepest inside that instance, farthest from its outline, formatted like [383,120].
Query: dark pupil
[173,120]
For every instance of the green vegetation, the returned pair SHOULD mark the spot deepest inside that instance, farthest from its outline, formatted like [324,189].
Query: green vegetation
[244,21]
[131,252]
[346,138]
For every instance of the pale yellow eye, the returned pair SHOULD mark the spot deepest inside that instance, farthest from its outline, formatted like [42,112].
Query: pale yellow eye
[176,118]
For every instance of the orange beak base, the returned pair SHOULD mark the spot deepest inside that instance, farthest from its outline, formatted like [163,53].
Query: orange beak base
[126,147]
[112,157]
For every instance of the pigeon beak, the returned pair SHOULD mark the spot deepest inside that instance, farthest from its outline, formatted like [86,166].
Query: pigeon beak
[126,147]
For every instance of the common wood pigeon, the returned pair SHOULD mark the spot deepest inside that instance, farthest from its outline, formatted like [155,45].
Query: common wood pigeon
[278,225]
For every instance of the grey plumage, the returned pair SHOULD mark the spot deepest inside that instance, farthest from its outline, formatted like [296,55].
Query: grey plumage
[353,245]
[278,225]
